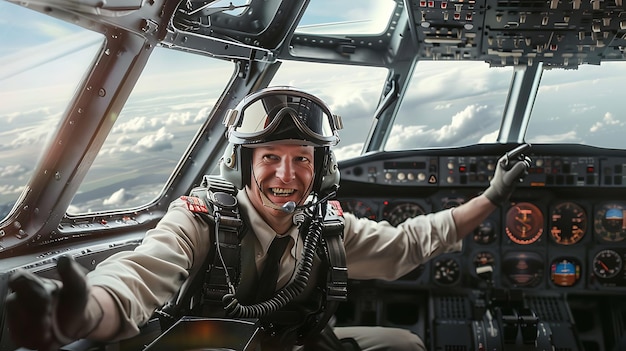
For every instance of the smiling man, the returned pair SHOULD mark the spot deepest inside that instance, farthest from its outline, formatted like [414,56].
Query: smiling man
[281,173]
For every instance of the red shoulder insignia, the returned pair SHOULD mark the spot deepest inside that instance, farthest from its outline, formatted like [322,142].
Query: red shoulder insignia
[195,204]
[337,206]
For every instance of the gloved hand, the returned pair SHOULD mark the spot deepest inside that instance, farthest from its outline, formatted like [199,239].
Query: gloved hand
[45,314]
[510,170]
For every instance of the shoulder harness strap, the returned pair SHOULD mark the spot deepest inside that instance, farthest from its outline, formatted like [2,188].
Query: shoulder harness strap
[336,253]
[337,275]
[222,211]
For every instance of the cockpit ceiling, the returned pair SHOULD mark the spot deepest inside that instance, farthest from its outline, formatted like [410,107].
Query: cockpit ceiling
[558,33]
[504,33]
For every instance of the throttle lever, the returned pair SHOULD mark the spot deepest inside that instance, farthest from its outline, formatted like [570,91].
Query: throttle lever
[516,153]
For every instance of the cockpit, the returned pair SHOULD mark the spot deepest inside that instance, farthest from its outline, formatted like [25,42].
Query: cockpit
[110,110]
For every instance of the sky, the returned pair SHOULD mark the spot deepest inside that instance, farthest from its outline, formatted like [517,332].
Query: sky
[40,65]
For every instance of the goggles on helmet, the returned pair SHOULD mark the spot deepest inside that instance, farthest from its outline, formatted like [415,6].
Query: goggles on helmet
[260,118]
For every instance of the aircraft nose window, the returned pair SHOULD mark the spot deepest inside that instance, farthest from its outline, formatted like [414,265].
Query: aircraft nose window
[451,105]
[39,73]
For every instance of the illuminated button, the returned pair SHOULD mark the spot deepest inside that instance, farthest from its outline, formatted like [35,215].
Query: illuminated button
[462,169]
[411,176]
[450,165]
[388,176]
[421,177]
[401,176]
[450,179]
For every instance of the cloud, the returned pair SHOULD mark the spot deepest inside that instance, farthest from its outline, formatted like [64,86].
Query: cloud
[555,138]
[10,189]
[465,127]
[182,116]
[118,198]
[608,120]
[12,171]
[161,140]
[443,106]
[138,124]
[155,142]
[348,151]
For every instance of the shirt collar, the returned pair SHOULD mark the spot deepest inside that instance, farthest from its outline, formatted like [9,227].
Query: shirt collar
[264,233]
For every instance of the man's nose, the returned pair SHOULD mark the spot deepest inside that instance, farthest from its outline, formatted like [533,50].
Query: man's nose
[285,171]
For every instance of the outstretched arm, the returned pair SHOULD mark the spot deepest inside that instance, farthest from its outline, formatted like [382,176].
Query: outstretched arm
[110,323]
[471,214]
[510,170]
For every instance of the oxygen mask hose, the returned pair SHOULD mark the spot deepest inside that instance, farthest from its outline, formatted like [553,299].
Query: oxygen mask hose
[311,229]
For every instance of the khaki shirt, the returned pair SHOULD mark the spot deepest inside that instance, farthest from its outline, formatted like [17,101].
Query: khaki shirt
[144,279]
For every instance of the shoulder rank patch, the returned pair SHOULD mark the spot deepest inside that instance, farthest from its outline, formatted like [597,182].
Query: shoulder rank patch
[195,204]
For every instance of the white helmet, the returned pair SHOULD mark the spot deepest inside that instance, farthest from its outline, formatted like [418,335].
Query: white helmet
[281,115]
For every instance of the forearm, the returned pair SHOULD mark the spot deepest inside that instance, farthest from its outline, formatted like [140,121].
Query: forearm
[111,320]
[471,214]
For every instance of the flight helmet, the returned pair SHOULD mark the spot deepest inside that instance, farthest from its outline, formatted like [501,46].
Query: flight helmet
[281,115]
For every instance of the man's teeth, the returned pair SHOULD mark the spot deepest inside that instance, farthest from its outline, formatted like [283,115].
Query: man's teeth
[282,192]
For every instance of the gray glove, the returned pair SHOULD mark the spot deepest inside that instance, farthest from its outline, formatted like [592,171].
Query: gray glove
[510,170]
[45,314]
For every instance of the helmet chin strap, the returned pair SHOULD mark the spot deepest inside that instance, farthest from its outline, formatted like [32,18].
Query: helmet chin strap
[287,207]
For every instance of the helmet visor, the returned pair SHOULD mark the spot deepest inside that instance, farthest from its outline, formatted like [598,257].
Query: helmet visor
[279,114]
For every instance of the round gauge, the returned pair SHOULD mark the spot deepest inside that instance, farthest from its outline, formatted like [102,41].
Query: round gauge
[401,212]
[565,271]
[524,223]
[607,264]
[359,208]
[485,233]
[568,223]
[523,269]
[609,223]
[446,271]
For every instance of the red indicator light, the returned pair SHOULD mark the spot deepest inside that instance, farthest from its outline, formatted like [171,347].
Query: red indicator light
[590,169]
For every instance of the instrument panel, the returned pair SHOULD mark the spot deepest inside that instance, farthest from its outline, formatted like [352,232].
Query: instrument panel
[563,230]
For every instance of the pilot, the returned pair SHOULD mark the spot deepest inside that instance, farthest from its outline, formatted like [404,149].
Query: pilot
[280,163]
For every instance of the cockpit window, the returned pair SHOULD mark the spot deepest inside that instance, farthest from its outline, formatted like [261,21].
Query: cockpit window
[583,106]
[169,103]
[42,62]
[370,17]
[351,92]
[451,104]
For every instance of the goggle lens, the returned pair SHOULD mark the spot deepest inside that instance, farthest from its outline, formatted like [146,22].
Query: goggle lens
[258,118]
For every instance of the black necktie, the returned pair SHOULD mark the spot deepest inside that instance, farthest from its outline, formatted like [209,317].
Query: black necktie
[267,282]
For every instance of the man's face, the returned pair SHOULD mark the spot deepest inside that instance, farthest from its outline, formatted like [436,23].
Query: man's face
[282,173]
